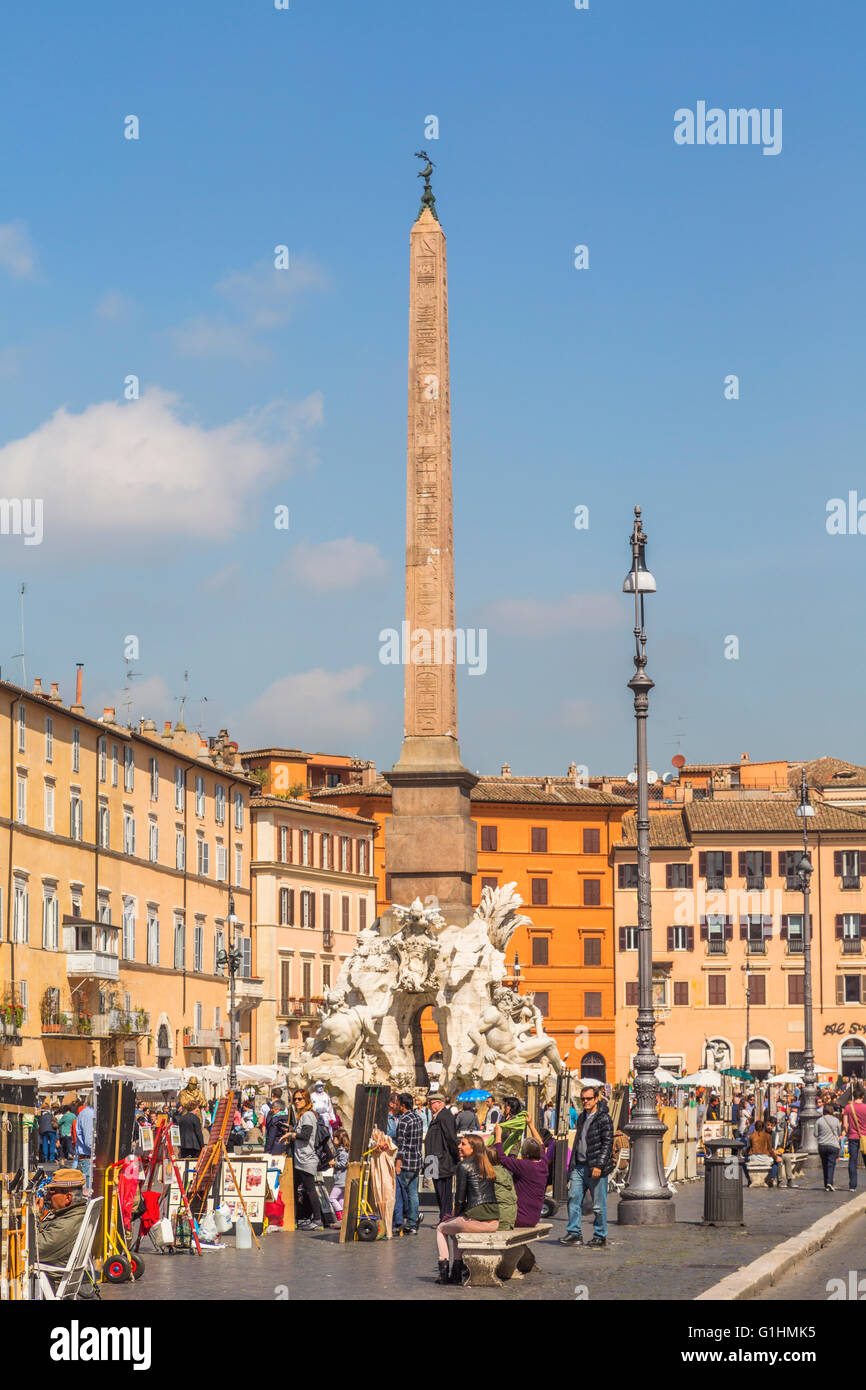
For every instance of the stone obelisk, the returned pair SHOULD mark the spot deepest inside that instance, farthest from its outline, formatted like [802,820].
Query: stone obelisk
[431,842]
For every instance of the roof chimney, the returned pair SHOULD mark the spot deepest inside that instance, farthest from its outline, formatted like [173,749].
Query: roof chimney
[506,770]
[548,784]
[78,707]
[55,693]
[744,757]
[108,714]
[37,686]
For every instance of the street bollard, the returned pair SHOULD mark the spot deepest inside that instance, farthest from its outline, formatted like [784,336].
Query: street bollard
[723,1183]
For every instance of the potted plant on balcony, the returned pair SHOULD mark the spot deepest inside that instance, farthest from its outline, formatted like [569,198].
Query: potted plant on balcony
[63,1023]
[142,1020]
[84,1024]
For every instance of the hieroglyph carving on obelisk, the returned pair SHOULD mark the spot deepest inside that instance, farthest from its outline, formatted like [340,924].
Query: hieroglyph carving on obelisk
[431,678]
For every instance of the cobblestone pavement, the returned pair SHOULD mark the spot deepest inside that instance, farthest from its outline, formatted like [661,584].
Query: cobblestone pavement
[667,1263]
[843,1257]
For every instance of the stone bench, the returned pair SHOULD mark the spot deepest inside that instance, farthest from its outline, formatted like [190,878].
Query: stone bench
[492,1257]
[791,1165]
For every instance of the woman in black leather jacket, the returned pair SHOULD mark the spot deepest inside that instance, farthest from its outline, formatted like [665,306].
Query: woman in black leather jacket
[475,1205]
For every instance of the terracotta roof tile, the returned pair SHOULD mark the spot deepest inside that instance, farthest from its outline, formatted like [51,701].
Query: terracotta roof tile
[828,772]
[667,830]
[778,816]
[514,790]
[293,803]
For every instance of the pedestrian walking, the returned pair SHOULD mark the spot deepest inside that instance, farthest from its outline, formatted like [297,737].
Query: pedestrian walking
[65,1125]
[47,1134]
[408,1162]
[441,1155]
[467,1119]
[84,1142]
[475,1206]
[828,1132]
[854,1118]
[591,1161]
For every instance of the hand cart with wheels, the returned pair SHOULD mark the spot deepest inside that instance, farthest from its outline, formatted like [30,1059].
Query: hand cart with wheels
[119,1262]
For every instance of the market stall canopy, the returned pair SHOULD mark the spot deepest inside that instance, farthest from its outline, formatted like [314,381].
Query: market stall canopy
[704,1077]
[667,1078]
[739,1072]
[795,1078]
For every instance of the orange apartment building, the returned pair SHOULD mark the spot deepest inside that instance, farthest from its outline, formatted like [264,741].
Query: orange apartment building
[293,773]
[553,838]
[119,849]
[728,911]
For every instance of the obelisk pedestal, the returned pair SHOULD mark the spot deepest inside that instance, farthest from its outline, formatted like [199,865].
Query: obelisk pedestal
[430,840]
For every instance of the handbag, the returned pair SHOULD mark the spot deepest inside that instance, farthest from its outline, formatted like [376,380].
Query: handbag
[860,1133]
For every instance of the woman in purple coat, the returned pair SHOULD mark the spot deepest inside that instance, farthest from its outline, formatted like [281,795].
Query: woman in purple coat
[530,1172]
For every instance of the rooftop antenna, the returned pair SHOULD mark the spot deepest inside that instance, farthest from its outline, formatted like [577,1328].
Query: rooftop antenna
[127,690]
[19,656]
[182,699]
[202,702]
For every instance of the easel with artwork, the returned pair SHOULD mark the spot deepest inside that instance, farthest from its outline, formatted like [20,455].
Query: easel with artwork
[163,1153]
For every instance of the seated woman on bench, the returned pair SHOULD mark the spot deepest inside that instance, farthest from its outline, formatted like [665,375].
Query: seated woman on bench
[761,1142]
[475,1205]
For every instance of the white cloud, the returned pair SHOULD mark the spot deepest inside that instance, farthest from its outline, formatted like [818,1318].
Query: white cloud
[119,471]
[221,578]
[17,253]
[339,564]
[531,617]
[115,307]
[256,301]
[317,708]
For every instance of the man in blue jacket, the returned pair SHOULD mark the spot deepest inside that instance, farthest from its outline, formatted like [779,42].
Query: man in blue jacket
[591,1161]
[84,1142]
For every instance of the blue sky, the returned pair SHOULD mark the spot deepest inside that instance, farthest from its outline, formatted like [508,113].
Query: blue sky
[601,387]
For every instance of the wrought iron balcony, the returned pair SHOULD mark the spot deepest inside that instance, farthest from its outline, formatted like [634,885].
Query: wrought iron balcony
[716,946]
[300,1008]
[852,945]
[756,948]
[850,880]
[755,880]
[715,880]
[796,945]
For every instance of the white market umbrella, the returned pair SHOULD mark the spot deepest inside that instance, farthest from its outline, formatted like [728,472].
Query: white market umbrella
[704,1077]
[667,1078]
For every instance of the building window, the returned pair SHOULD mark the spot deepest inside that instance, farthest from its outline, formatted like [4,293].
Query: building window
[714,865]
[345,857]
[326,913]
[22,1000]
[539,891]
[792,930]
[285,918]
[284,837]
[114,764]
[128,833]
[152,938]
[219,945]
[305,847]
[128,931]
[49,739]
[796,989]
[199,796]
[489,883]
[221,862]
[716,989]
[716,936]
[21,800]
[626,876]
[681,938]
[239,810]
[540,950]
[542,1001]
[179,850]
[219,804]
[757,987]
[753,931]
[628,938]
[362,857]
[153,842]
[591,841]
[592,1004]
[102,757]
[197,1017]
[20,912]
[49,807]
[239,866]
[246,946]
[50,920]
[202,856]
[788,861]
[490,838]
[679,876]
[22,727]
[362,914]
[178,789]
[198,947]
[846,865]
[103,911]
[75,816]
[852,989]
[344,911]
[76,750]
[104,820]
[154,779]
[128,768]
[631,994]
[538,839]
[326,850]
[592,892]
[179,944]
[754,865]
[681,993]
[308,909]
[592,950]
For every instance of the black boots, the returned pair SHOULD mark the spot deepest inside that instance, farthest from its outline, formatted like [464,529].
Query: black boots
[457,1272]
[443,1273]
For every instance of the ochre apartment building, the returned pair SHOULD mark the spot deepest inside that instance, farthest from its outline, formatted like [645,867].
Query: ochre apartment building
[553,838]
[119,852]
[727,912]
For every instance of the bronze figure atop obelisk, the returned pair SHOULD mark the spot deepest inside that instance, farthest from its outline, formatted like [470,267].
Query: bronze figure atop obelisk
[431,848]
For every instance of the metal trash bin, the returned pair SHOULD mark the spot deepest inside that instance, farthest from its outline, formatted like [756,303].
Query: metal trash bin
[723,1183]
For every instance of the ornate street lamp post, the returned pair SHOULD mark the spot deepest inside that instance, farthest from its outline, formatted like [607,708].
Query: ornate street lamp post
[646,1198]
[232,959]
[808,1109]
